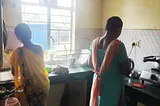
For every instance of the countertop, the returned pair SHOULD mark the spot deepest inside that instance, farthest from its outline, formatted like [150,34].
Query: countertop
[149,89]
[149,95]
[74,74]
[6,77]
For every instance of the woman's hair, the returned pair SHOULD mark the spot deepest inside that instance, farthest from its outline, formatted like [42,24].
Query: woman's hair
[114,23]
[23,31]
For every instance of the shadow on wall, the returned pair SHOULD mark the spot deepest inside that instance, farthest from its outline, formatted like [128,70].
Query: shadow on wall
[13,42]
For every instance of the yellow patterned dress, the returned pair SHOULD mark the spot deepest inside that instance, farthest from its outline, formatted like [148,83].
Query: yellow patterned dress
[31,76]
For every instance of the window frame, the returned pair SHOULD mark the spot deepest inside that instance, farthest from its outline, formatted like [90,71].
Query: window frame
[49,15]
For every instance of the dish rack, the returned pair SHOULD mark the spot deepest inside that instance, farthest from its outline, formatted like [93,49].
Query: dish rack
[66,58]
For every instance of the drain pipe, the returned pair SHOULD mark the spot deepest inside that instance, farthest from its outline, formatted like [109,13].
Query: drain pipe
[1,36]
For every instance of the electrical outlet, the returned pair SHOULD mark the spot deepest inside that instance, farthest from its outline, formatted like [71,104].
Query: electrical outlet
[137,44]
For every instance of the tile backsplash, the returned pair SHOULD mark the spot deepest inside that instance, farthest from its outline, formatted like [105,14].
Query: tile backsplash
[84,37]
[149,43]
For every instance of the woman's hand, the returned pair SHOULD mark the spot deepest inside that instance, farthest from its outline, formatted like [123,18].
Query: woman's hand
[126,68]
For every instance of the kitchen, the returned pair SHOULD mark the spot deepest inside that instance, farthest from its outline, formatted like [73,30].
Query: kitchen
[141,25]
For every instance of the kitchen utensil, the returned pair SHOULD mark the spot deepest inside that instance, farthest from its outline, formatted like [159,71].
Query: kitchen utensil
[5,96]
[132,65]
[7,92]
[135,74]
[156,60]
[72,62]
[83,58]
[60,70]
[150,77]
[138,85]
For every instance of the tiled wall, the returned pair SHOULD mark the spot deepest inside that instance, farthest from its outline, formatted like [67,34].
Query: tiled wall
[150,43]
[84,37]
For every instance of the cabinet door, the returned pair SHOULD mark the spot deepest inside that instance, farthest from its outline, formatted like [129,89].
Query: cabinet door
[77,93]
[55,95]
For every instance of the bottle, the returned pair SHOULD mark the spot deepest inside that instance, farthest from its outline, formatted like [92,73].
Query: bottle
[72,61]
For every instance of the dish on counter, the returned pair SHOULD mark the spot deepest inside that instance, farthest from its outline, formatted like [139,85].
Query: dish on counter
[59,69]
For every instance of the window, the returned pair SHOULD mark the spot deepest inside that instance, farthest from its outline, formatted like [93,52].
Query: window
[51,27]
[64,36]
[64,3]
[30,1]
